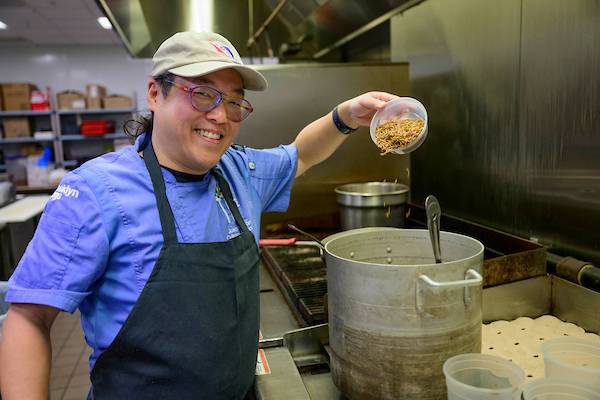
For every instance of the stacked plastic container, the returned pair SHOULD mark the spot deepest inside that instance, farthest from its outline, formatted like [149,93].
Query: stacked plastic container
[558,389]
[475,376]
[572,372]
[572,367]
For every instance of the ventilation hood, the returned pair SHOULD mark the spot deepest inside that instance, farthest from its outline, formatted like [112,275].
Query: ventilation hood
[307,29]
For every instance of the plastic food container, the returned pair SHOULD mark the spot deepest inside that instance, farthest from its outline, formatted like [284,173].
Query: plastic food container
[557,389]
[575,359]
[16,165]
[475,376]
[401,108]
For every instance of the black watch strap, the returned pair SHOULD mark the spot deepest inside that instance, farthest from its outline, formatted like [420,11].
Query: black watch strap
[339,124]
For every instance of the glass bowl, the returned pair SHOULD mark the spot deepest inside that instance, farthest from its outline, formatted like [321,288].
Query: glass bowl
[401,108]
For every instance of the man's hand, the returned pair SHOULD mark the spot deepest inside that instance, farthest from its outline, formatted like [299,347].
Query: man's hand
[359,110]
[319,139]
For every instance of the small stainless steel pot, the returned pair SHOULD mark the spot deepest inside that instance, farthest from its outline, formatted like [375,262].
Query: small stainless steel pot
[372,204]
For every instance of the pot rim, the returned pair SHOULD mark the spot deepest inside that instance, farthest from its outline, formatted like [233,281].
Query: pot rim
[401,189]
[340,235]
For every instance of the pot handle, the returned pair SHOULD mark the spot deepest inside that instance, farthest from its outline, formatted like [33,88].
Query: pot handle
[277,242]
[472,278]
[475,280]
[287,242]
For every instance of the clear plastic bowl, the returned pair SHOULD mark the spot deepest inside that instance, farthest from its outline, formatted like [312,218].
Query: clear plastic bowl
[557,389]
[402,107]
[575,359]
[483,377]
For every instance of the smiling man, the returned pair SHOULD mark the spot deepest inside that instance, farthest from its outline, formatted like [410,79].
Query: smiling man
[158,250]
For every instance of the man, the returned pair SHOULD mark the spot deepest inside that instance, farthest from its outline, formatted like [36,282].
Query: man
[156,246]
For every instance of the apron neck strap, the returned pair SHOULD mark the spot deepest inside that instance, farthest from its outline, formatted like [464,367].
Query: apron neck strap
[167,219]
[224,186]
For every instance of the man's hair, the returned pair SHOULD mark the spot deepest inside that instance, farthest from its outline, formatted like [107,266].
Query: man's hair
[163,81]
[143,123]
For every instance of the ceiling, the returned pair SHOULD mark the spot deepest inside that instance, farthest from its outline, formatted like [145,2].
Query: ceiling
[53,22]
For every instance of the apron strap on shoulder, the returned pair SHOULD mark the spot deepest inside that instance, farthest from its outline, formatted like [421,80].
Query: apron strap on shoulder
[224,186]
[167,220]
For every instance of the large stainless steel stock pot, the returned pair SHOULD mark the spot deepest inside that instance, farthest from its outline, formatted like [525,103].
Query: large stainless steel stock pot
[395,315]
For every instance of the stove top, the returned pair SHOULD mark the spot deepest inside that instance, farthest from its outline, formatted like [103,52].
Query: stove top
[300,272]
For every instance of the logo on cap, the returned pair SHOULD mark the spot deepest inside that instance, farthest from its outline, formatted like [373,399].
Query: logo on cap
[221,49]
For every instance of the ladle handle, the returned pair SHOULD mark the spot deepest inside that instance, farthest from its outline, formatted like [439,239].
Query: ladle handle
[434,213]
[435,238]
[313,237]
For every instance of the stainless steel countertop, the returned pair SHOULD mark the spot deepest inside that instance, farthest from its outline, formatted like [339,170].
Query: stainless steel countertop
[284,381]
[530,297]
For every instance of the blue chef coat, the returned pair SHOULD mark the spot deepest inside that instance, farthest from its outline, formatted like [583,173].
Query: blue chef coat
[100,234]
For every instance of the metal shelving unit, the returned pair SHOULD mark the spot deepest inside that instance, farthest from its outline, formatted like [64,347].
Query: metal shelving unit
[26,140]
[25,113]
[37,120]
[56,120]
[94,137]
[76,117]
[96,111]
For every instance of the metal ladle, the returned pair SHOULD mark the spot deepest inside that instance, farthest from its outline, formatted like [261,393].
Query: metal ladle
[295,228]
[434,213]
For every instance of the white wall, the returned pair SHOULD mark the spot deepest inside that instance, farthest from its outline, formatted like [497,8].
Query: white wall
[72,67]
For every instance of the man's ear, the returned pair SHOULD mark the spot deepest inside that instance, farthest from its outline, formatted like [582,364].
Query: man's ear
[153,94]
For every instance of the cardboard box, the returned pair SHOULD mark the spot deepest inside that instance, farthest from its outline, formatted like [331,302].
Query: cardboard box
[95,90]
[93,102]
[94,94]
[1,102]
[16,127]
[70,100]
[116,101]
[16,96]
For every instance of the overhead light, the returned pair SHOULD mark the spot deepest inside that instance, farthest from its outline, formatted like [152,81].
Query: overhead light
[3,25]
[104,22]
[201,15]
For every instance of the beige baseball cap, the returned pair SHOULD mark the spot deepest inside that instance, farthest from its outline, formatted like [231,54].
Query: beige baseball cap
[191,54]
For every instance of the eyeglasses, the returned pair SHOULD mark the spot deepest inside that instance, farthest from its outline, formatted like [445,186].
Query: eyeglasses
[206,98]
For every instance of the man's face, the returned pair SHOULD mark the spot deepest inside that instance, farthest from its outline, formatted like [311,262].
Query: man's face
[188,140]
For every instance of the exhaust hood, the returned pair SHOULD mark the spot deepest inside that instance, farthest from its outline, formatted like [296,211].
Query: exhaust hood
[301,29]
[143,25]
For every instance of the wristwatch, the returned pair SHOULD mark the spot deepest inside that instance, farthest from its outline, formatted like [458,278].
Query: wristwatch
[339,124]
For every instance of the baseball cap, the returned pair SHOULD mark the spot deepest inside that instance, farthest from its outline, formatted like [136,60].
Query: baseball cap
[191,54]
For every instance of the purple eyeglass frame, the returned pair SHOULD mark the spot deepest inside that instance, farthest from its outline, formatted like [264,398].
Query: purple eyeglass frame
[190,90]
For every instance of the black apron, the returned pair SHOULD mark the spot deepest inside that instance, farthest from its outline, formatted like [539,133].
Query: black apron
[193,333]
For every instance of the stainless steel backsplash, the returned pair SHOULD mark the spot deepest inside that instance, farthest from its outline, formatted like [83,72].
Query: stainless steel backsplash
[300,93]
[512,89]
